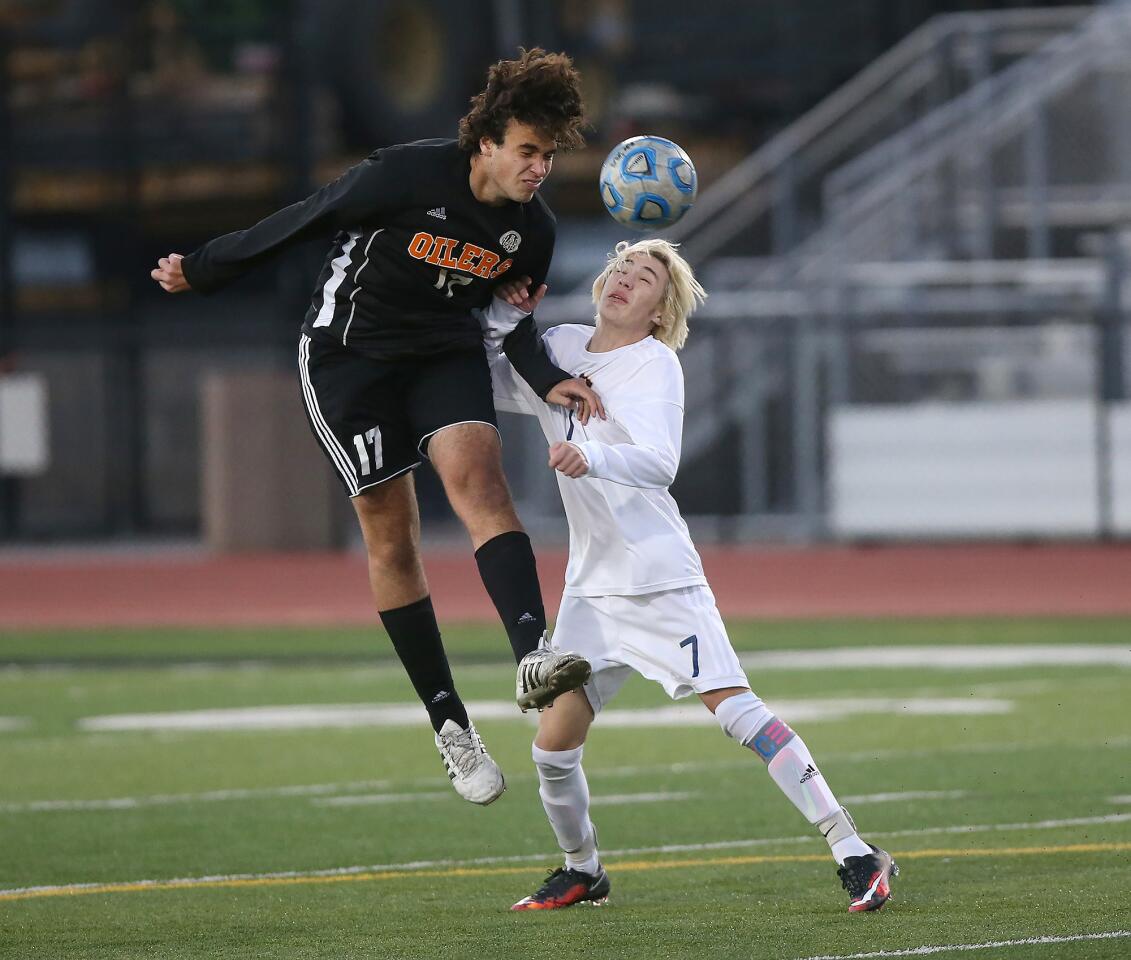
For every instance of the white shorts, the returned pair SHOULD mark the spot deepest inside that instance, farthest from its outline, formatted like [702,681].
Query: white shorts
[675,637]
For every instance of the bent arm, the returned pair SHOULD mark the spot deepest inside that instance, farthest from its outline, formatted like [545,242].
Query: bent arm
[514,331]
[509,321]
[527,354]
[652,459]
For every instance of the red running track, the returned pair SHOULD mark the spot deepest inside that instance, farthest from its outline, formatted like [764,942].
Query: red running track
[190,589]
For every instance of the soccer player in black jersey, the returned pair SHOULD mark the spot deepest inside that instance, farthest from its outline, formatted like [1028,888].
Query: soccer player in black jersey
[393,369]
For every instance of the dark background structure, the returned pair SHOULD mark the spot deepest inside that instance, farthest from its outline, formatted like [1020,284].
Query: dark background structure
[130,129]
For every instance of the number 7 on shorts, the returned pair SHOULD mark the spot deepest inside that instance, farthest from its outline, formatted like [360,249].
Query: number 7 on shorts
[694,641]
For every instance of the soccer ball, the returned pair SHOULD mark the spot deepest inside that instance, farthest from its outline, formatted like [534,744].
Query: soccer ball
[648,183]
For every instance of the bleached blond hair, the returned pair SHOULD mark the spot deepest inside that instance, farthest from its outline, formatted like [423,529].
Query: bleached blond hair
[682,294]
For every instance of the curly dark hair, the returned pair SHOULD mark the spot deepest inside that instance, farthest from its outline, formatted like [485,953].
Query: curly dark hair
[539,88]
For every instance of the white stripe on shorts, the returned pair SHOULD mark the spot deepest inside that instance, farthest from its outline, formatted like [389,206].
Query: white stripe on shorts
[329,442]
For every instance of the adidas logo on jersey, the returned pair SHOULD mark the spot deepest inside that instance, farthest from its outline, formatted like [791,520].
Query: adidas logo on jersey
[527,617]
[442,695]
[438,212]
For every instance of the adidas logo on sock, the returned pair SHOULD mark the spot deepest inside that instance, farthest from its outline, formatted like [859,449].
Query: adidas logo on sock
[526,618]
[438,212]
[442,695]
[810,772]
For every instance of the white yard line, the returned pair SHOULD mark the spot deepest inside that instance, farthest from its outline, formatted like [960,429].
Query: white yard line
[941,657]
[414,865]
[298,716]
[864,657]
[626,799]
[208,796]
[1023,825]
[14,723]
[905,795]
[307,716]
[287,717]
[375,799]
[956,947]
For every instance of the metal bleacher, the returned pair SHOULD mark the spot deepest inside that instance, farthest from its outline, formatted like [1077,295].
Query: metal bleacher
[774,199]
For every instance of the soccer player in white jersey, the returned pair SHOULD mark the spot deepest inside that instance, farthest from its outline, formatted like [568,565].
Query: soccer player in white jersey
[635,596]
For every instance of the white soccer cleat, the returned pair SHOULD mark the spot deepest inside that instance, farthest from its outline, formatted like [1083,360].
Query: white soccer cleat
[545,674]
[473,773]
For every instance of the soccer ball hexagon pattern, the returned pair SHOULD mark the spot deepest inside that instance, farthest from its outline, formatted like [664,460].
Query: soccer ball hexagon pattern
[648,183]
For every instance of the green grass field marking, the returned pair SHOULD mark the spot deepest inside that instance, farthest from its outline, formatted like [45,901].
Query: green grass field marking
[464,872]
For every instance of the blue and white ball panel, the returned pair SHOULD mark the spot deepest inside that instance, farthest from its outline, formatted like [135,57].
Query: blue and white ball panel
[652,208]
[683,175]
[639,164]
[611,197]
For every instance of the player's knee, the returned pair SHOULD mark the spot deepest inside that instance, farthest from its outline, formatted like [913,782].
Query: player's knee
[556,764]
[393,556]
[481,483]
[742,716]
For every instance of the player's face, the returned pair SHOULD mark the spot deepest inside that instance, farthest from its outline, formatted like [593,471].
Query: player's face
[633,292]
[516,167]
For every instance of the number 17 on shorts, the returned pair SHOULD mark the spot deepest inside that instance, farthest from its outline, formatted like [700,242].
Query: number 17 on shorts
[368,446]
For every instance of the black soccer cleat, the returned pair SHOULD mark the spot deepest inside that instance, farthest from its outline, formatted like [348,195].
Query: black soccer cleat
[868,879]
[565,887]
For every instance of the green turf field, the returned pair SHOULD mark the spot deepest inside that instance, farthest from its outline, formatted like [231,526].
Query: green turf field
[1003,791]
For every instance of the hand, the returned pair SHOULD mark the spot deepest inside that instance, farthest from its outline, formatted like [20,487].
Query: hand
[168,273]
[578,396]
[567,459]
[517,294]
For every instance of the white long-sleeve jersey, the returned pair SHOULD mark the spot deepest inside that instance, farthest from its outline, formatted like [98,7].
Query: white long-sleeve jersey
[626,535]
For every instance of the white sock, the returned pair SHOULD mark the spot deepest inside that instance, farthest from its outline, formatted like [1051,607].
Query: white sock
[789,763]
[565,796]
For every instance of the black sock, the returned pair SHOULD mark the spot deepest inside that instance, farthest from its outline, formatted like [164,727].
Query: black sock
[416,638]
[506,564]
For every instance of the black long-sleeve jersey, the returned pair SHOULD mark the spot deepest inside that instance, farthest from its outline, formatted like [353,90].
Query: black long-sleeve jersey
[413,254]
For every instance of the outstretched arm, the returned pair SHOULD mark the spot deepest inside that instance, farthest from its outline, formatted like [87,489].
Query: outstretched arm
[359,193]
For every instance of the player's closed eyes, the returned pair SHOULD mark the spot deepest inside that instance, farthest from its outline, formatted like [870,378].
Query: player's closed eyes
[623,268]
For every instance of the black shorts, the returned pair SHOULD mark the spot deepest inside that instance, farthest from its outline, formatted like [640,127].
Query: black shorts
[373,418]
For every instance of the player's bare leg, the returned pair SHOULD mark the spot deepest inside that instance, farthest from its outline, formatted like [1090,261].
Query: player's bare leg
[566,726]
[468,458]
[390,526]
[865,870]
[565,796]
